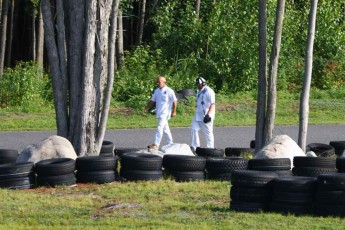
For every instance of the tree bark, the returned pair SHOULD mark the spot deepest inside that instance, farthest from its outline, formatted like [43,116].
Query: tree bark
[197,8]
[121,56]
[261,102]
[3,36]
[141,22]
[40,39]
[304,100]
[33,34]
[273,69]
[10,36]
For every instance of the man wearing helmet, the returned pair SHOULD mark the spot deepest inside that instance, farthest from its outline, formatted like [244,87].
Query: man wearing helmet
[204,114]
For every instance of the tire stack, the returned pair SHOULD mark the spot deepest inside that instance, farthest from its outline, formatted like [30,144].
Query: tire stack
[295,195]
[17,175]
[219,168]
[107,149]
[251,190]
[185,168]
[339,147]
[313,166]
[340,164]
[141,167]
[120,151]
[330,195]
[281,166]
[8,156]
[54,172]
[239,152]
[321,150]
[96,169]
[209,152]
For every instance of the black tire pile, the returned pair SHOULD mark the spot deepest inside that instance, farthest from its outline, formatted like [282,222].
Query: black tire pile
[281,166]
[339,147]
[185,168]
[96,169]
[54,172]
[295,195]
[251,190]
[219,168]
[8,156]
[17,175]
[313,166]
[237,152]
[321,150]
[209,152]
[141,167]
[107,149]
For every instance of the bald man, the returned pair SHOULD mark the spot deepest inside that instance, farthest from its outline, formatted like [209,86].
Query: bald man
[166,103]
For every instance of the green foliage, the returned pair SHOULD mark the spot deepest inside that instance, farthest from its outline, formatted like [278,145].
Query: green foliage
[25,86]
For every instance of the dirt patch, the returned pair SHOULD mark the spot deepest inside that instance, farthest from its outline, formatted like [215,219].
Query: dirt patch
[123,111]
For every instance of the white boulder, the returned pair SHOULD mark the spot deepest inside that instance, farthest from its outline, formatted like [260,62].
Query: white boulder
[175,148]
[281,146]
[51,147]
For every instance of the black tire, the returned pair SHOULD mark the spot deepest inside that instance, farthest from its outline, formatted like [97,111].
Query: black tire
[186,176]
[187,92]
[243,206]
[225,165]
[275,164]
[221,176]
[98,177]
[54,167]
[329,210]
[8,156]
[284,173]
[237,152]
[330,197]
[107,147]
[66,179]
[106,154]
[141,161]
[15,170]
[179,96]
[298,198]
[120,151]
[250,194]
[209,152]
[320,162]
[141,175]
[19,182]
[295,184]
[183,163]
[322,150]
[96,163]
[340,163]
[339,147]
[312,171]
[249,178]
[295,209]
[334,181]
[252,144]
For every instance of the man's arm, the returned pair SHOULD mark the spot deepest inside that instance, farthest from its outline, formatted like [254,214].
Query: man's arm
[173,113]
[148,106]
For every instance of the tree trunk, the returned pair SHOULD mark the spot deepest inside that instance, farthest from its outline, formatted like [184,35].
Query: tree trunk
[197,8]
[0,10]
[3,36]
[141,22]
[40,39]
[261,102]
[273,69]
[33,34]
[121,56]
[304,100]
[10,37]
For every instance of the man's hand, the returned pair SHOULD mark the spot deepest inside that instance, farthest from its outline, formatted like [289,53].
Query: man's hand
[173,114]
[207,118]
[144,111]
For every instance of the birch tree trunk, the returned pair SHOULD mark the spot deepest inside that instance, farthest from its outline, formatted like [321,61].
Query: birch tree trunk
[40,39]
[261,102]
[121,56]
[197,8]
[304,100]
[3,35]
[81,52]
[273,70]
[141,22]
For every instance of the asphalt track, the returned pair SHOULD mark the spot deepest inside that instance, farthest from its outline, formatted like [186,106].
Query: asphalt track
[224,136]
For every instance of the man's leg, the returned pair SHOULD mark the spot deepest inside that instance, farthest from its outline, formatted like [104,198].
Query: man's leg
[208,131]
[195,134]
[169,138]
[159,132]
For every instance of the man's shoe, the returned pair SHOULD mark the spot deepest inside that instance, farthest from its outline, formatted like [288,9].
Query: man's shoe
[153,146]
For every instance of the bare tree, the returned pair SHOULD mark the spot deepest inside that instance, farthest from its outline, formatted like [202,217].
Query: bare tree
[121,56]
[33,33]
[80,46]
[3,35]
[141,23]
[304,100]
[197,8]
[40,39]
[10,36]
[273,70]
[261,101]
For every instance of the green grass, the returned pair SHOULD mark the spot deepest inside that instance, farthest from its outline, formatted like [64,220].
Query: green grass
[232,110]
[164,204]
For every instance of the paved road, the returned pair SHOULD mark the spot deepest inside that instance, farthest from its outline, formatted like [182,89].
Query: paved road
[224,136]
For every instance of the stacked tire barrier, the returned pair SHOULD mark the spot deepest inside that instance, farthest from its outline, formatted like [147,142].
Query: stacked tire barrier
[209,152]
[8,156]
[120,151]
[313,166]
[339,147]
[96,169]
[141,166]
[295,195]
[237,152]
[185,168]
[340,164]
[17,175]
[330,196]
[251,190]
[219,168]
[281,166]
[54,172]
[321,150]
[107,149]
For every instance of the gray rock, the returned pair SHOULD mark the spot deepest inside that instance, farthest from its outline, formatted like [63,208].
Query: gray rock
[51,147]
